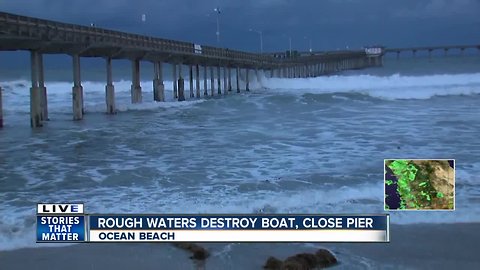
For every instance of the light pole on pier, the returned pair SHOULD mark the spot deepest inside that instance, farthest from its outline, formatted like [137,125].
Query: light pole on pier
[261,38]
[144,21]
[289,43]
[217,10]
[309,43]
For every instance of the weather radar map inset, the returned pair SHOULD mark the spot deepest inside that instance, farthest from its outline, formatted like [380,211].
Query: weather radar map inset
[419,184]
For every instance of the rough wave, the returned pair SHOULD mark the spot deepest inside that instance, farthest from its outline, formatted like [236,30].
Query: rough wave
[392,87]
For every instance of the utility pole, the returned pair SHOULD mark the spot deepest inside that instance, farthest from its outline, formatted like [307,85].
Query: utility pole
[261,38]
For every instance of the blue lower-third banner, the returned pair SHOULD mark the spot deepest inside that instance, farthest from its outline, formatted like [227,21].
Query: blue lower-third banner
[238,228]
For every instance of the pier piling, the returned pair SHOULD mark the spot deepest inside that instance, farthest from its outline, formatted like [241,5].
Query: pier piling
[110,89]
[136,90]
[237,75]
[190,77]
[181,85]
[77,90]
[158,86]
[174,80]
[247,82]
[212,81]
[205,81]
[43,90]
[35,92]
[229,79]
[219,81]
[197,81]
[225,83]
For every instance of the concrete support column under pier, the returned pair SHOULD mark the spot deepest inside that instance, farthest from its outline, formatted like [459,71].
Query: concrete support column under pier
[174,79]
[136,89]
[35,118]
[110,89]
[158,87]
[43,90]
[181,84]
[225,83]
[212,82]
[219,81]
[191,81]
[35,92]
[247,82]
[77,90]
[205,79]
[197,81]
[229,79]
[237,75]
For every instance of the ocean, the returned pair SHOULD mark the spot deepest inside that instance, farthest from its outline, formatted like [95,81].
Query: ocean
[313,145]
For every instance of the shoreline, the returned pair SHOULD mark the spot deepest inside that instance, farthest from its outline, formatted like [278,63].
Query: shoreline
[418,246]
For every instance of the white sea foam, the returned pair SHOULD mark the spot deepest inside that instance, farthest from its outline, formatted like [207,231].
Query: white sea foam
[390,87]
[16,93]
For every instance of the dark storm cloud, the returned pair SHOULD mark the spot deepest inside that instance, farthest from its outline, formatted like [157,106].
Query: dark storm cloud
[330,24]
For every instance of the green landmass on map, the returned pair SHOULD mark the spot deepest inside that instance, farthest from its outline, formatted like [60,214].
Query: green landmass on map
[423,184]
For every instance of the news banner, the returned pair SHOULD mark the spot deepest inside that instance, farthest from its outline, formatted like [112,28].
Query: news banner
[68,222]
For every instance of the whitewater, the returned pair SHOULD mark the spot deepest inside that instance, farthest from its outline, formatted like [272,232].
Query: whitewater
[313,145]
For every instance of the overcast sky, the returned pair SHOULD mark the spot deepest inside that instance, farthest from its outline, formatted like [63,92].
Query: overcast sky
[330,24]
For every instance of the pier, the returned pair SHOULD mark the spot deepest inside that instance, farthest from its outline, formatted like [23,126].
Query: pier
[219,65]
[430,49]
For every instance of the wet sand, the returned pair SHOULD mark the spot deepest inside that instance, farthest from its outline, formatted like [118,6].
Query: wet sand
[421,246]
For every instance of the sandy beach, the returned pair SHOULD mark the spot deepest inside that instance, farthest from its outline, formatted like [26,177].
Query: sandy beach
[422,246]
